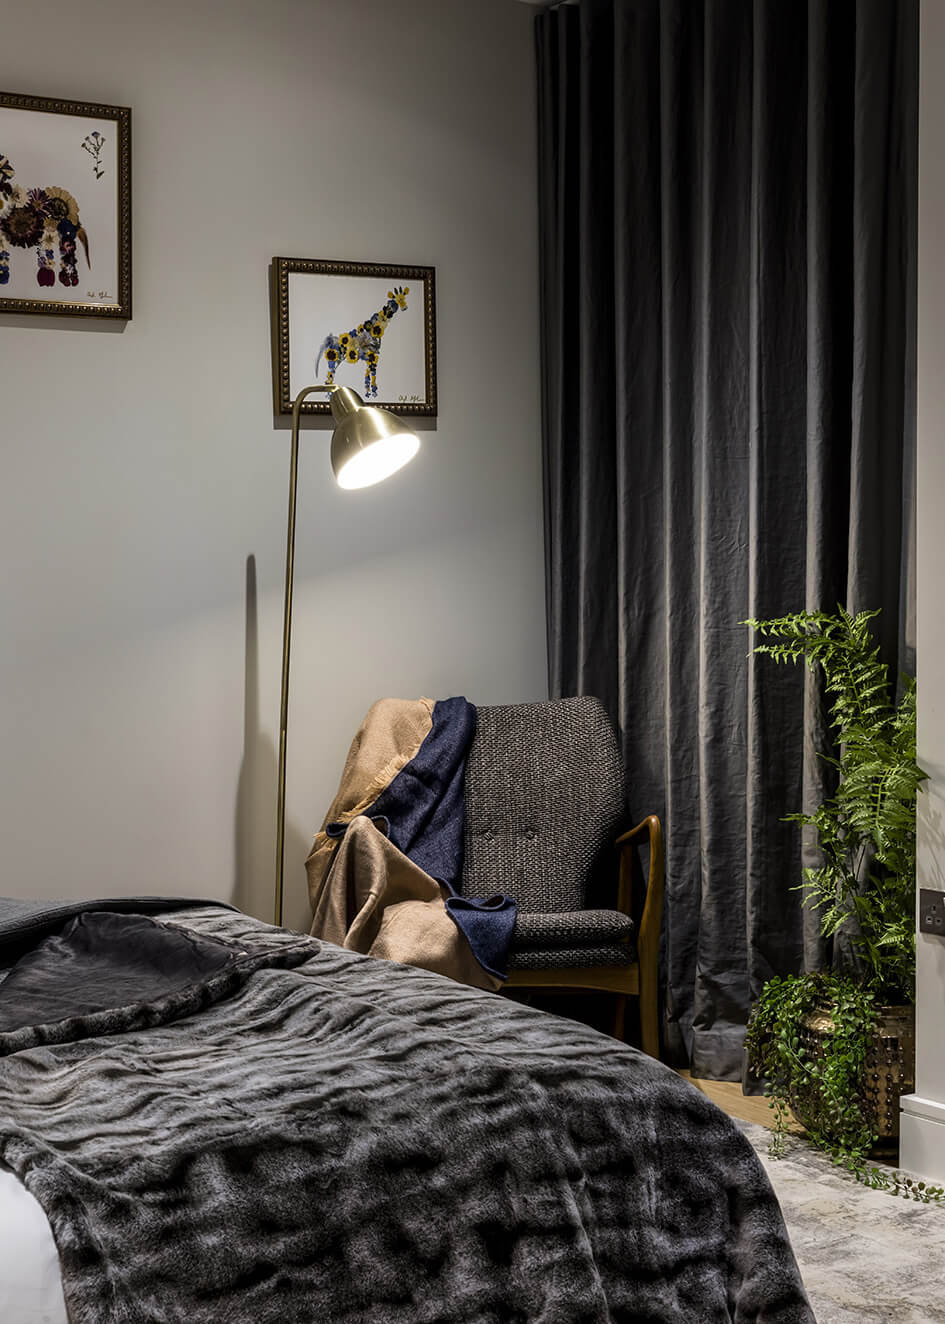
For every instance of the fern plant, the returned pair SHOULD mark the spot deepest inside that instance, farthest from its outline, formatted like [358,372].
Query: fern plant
[866,829]
[866,833]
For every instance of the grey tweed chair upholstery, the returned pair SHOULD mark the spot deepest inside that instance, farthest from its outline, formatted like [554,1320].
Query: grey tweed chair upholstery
[544,807]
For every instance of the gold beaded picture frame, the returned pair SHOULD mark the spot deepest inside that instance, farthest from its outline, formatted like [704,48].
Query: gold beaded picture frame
[65,207]
[370,326]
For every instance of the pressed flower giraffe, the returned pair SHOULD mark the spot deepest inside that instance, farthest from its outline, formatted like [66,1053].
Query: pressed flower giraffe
[363,342]
[45,219]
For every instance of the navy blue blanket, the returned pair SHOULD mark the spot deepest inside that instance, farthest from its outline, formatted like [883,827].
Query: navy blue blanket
[423,812]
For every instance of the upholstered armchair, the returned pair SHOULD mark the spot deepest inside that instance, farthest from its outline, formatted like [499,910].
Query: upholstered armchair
[544,809]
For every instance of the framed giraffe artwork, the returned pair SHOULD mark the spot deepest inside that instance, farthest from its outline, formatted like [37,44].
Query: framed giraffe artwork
[65,207]
[370,326]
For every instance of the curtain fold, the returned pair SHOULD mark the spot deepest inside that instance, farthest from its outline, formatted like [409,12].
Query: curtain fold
[727,202]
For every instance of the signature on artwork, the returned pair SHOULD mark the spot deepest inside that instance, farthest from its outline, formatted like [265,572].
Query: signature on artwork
[102,294]
[409,399]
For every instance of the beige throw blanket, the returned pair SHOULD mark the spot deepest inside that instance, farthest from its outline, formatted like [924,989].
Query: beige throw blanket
[366,895]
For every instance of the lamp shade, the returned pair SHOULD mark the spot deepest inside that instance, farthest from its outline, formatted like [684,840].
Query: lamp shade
[369,443]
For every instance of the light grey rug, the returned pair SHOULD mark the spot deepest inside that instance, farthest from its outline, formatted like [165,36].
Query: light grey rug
[865,1256]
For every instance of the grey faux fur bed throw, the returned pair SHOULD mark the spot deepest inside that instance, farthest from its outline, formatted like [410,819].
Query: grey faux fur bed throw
[356,1142]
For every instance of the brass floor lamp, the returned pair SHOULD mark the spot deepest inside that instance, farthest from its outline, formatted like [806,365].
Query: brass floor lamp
[367,445]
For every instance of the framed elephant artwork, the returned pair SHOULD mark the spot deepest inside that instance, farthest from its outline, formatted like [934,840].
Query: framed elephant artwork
[370,326]
[65,207]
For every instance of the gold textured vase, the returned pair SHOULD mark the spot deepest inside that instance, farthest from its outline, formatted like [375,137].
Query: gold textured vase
[888,1072]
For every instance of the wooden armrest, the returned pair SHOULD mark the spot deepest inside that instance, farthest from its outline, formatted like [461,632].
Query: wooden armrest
[650,825]
[649,927]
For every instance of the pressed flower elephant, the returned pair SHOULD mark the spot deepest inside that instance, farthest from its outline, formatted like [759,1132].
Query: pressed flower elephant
[363,342]
[46,219]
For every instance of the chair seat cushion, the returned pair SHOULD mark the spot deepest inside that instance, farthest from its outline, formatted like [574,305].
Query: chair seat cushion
[571,958]
[571,928]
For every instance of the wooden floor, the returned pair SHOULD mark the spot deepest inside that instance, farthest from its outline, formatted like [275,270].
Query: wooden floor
[729,1097]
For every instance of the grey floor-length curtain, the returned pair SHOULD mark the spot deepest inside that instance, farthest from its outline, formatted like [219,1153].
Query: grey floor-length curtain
[727,199]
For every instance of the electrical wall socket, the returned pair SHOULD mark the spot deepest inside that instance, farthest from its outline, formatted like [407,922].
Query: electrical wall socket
[931,911]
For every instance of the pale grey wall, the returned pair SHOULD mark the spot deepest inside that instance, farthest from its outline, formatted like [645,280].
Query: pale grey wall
[923,1122]
[142,503]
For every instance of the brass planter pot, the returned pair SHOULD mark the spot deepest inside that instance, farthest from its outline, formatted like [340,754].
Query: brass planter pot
[888,1073]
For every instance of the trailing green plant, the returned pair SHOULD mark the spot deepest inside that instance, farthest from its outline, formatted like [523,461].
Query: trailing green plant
[824,1089]
[823,1092]
[866,885]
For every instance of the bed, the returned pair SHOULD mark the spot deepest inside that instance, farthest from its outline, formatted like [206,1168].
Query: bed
[206,1119]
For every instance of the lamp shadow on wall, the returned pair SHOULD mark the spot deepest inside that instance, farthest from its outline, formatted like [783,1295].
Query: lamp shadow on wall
[256,790]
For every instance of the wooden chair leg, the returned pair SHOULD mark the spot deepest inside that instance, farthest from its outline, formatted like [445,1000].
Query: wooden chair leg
[620,1012]
[649,1016]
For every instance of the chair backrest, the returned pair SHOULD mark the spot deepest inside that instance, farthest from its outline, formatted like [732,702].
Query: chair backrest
[544,802]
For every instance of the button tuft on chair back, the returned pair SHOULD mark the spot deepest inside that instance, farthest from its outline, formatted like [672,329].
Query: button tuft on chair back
[544,803]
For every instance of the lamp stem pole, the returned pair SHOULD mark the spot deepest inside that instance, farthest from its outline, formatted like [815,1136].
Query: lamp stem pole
[286,640]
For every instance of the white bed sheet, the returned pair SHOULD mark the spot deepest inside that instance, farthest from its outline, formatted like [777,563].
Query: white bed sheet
[30,1283]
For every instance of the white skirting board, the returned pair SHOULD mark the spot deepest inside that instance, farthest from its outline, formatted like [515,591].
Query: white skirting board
[922,1138]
